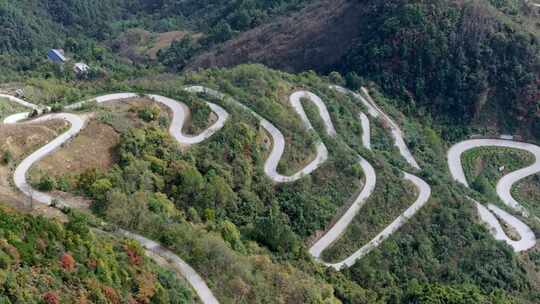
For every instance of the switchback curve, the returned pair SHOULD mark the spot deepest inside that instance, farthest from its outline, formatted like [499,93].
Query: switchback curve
[504,186]
[77,123]
[339,228]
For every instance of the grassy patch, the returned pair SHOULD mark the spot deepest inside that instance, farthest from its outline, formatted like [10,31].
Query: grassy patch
[527,193]
[485,166]
[8,108]
[391,197]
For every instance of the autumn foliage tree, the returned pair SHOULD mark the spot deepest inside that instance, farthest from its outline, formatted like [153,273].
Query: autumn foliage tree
[51,298]
[67,262]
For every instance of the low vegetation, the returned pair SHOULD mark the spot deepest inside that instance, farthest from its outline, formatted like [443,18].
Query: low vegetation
[392,196]
[8,108]
[437,67]
[484,167]
[213,205]
[528,194]
[44,261]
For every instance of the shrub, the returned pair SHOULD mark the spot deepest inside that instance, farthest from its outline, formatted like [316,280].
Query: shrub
[7,157]
[149,113]
[67,262]
[51,298]
[46,183]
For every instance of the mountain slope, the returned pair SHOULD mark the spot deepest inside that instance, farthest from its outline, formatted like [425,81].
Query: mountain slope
[214,205]
[316,38]
[463,62]
[44,261]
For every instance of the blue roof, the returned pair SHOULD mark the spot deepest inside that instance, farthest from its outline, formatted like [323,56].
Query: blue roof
[56,55]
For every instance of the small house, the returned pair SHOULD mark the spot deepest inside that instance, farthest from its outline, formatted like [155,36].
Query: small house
[56,56]
[81,68]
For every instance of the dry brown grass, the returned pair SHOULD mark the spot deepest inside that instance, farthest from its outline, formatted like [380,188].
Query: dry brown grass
[22,140]
[137,44]
[92,148]
[164,40]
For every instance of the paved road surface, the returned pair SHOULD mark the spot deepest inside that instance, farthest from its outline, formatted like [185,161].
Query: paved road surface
[423,197]
[77,124]
[504,186]
[366,131]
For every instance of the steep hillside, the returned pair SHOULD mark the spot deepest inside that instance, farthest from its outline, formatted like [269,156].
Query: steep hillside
[316,38]
[113,35]
[347,174]
[248,228]
[464,62]
[44,261]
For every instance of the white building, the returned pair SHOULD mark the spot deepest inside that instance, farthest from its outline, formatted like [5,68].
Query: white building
[81,67]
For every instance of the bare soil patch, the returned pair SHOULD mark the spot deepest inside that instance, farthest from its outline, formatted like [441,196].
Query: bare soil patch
[21,140]
[92,148]
[164,40]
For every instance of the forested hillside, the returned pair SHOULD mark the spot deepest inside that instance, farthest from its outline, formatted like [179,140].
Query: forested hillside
[229,138]
[213,205]
[464,62]
[87,29]
[44,261]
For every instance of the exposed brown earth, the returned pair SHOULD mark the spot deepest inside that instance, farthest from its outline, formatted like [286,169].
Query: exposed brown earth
[138,45]
[314,38]
[92,148]
[20,141]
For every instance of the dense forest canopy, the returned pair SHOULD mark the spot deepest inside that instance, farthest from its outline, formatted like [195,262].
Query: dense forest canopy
[29,24]
[455,59]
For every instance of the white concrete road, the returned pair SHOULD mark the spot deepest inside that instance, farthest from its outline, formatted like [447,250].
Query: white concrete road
[194,279]
[532,3]
[77,124]
[489,217]
[341,225]
[21,116]
[504,187]
[375,111]
[396,133]
[180,115]
[366,131]
[20,102]
[278,140]
[19,176]
[423,197]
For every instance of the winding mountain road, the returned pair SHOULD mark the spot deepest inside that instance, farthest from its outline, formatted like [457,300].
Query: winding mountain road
[422,199]
[335,232]
[180,114]
[278,147]
[77,123]
[375,111]
[490,215]
[19,177]
[21,116]
[504,187]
